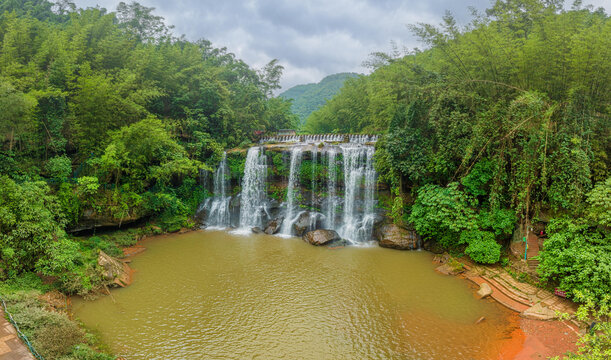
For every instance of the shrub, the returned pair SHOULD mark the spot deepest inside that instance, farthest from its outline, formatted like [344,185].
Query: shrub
[59,168]
[56,340]
[438,210]
[577,257]
[30,220]
[53,334]
[482,247]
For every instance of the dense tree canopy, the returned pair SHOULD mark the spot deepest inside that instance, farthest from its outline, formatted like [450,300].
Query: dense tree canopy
[110,114]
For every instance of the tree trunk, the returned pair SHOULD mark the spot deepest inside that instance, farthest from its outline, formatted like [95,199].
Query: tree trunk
[11,140]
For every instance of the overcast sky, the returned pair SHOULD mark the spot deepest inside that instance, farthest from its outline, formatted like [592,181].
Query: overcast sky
[310,38]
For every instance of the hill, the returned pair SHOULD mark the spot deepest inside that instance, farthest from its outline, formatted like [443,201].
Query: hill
[309,97]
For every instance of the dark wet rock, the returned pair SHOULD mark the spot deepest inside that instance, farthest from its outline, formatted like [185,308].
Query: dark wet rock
[433,246]
[273,204]
[392,236]
[91,219]
[234,202]
[257,230]
[302,224]
[378,220]
[200,217]
[274,226]
[321,237]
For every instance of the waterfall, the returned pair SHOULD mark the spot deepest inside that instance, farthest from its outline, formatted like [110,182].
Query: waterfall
[313,187]
[359,183]
[349,204]
[291,195]
[218,206]
[253,196]
[331,201]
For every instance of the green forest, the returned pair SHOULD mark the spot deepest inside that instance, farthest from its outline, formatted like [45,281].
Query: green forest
[502,121]
[309,97]
[491,127]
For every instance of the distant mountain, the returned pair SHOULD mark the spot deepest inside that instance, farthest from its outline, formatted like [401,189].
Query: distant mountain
[309,97]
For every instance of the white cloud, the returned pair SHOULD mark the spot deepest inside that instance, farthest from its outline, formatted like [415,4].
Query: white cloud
[311,38]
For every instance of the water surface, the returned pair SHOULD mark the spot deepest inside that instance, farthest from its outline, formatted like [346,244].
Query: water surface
[215,295]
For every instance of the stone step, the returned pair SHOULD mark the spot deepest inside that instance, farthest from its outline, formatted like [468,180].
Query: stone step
[511,283]
[533,264]
[511,293]
[499,296]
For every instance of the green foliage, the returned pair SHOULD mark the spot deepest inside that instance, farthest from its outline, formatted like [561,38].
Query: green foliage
[439,211]
[52,333]
[280,168]
[145,152]
[596,343]
[308,98]
[59,168]
[482,246]
[499,221]
[396,211]
[577,257]
[30,220]
[236,163]
[477,182]
[599,200]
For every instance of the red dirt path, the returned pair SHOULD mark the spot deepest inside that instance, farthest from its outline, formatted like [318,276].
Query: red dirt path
[535,339]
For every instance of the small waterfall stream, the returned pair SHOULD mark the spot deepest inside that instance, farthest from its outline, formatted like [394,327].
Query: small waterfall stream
[218,206]
[292,191]
[253,199]
[359,184]
[331,200]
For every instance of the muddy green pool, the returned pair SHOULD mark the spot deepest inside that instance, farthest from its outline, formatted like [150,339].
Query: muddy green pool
[216,295]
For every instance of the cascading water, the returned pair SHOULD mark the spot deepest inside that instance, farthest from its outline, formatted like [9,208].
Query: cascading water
[331,201]
[351,215]
[218,206]
[253,196]
[359,183]
[313,187]
[291,195]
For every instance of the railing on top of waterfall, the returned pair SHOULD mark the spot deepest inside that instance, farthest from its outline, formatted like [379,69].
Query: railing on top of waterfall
[319,138]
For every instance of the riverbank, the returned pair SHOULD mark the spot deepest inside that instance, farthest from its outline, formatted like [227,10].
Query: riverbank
[536,332]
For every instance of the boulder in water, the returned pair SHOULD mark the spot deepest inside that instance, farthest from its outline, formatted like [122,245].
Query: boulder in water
[321,237]
[274,226]
[257,230]
[484,290]
[302,224]
[392,236]
[114,271]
